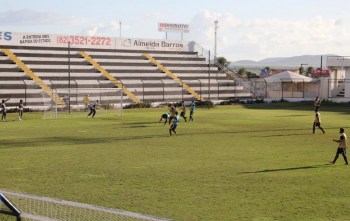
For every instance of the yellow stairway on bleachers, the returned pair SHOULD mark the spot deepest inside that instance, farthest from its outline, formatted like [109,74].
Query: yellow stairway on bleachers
[109,76]
[173,76]
[33,76]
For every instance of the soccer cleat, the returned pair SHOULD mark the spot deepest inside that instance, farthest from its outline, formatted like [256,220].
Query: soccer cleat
[346,164]
[324,132]
[332,162]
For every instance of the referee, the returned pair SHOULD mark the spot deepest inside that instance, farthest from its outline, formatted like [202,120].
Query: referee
[343,145]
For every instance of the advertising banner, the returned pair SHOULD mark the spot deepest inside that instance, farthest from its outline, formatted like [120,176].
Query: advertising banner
[150,44]
[319,72]
[173,27]
[53,40]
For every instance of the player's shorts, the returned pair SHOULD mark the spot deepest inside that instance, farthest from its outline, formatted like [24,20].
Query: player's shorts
[4,113]
[317,124]
[341,151]
[182,114]
[164,116]
[173,127]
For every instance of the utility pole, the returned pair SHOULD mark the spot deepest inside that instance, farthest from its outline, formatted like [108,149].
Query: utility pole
[301,67]
[215,44]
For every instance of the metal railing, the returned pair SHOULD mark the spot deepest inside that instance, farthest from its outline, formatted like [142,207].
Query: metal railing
[211,59]
[338,58]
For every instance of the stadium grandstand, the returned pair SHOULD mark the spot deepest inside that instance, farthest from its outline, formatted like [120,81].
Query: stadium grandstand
[147,70]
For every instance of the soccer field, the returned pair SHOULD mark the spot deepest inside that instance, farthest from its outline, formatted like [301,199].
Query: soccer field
[256,162]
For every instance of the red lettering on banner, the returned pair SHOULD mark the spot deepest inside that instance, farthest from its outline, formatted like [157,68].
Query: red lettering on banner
[84,41]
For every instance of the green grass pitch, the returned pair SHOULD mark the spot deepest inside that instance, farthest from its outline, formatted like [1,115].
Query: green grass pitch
[255,162]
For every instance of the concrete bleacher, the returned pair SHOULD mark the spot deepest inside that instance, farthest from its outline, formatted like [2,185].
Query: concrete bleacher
[140,76]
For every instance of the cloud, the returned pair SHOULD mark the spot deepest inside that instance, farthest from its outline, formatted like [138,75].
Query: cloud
[155,15]
[101,29]
[261,38]
[30,17]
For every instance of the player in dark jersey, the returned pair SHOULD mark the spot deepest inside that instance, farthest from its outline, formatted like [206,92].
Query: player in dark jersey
[317,123]
[3,110]
[172,111]
[93,108]
[20,110]
[183,111]
[317,104]
[176,121]
[193,108]
[164,116]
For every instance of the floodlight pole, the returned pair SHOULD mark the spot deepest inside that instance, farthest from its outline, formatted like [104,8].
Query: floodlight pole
[209,80]
[216,31]
[68,77]
[120,29]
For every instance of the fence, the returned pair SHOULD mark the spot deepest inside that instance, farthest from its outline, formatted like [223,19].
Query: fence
[285,88]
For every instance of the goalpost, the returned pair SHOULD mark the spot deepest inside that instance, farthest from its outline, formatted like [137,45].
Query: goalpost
[76,102]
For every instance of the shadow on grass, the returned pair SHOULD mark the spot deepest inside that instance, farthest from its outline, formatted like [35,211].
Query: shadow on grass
[289,169]
[70,140]
[292,116]
[286,135]
[139,123]
[342,108]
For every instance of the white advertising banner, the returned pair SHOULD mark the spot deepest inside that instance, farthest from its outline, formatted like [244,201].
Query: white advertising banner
[173,27]
[53,40]
[150,44]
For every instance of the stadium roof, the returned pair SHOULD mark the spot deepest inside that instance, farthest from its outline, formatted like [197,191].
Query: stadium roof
[288,76]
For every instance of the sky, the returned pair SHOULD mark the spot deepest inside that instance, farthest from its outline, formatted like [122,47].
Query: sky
[248,30]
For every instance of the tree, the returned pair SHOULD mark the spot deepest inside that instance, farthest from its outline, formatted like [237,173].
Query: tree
[251,75]
[267,68]
[301,70]
[242,72]
[310,69]
[223,61]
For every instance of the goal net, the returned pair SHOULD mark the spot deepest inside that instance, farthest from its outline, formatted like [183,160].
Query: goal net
[78,102]
[39,208]
[7,210]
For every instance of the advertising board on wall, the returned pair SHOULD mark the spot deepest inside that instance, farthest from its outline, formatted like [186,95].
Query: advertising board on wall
[53,40]
[173,27]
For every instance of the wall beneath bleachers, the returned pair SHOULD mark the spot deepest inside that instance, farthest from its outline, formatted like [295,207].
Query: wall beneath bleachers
[54,40]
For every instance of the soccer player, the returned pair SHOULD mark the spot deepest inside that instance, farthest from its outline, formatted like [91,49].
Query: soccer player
[20,109]
[343,145]
[183,111]
[164,116]
[317,122]
[86,102]
[317,104]
[93,109]
[176,121]
[173,112]
[193,108]
[3,110]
